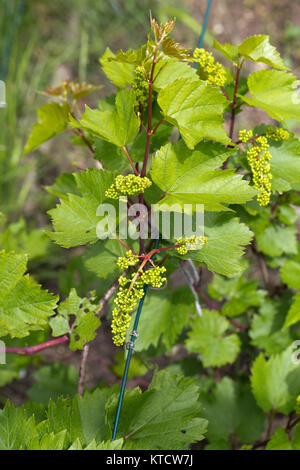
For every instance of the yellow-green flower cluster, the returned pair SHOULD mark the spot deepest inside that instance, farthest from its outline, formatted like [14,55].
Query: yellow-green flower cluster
[124,262]
[277,133]
[126,300]
[192,243]
[140,87]
[259,160]
[130,185]
[128,297]
[244,135]
[209,70]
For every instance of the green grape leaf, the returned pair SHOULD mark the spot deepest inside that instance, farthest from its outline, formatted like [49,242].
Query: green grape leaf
[173,316]
[208,338]
[290,274]
[285,164]
[240,294]
[101,258]
[279,441]
[84,326]
[266,327]
[17,431]
[48,441]
[274,240]
[258,49]
[172,49]
[118,125]
[293,315]
[225,246]
[228,50]
[104,445]
[274,92]
[196,109]
[287,214]
[64,184]
[121,74]
[168,70]
[166,416]
[194,177]
[82,417]
[137,367]
[231,409]
[111,156]
[24,306]
[75,219]
[18,238]
[276,382]
[51,381]
[52,119]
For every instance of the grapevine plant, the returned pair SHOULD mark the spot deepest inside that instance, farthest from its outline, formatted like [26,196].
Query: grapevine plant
[222,311]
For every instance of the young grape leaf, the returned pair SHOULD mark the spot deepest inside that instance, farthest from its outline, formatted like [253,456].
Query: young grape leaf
[228,50]
[226,240]
[194,177]
[208,337]
[196,109]
[52,119]
[258,49]
[274,92]
[118,126]
[168,70]
[276,382]
[121,74]
[75,219]
[285,164]
[24,306]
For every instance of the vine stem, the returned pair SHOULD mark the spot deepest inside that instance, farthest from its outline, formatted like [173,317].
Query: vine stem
[130,161]
[82,368]
[270,424]
[149,128]
[30,350]
[213,306]
[233,106]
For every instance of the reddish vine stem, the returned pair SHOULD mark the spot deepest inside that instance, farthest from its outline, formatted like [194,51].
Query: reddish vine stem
[158,124]
[225,93]
[30,350]
[233,106]
[148,141]
[85,140]
[130,160]
[149,128]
